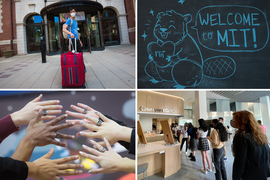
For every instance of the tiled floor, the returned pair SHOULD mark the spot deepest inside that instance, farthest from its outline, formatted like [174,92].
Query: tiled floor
[191,170]
[113,68]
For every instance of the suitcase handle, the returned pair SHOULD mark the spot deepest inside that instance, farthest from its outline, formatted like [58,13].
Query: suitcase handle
[71,44]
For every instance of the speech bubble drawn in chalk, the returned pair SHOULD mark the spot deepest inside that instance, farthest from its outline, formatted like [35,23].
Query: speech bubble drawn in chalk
[232,28]
[219,67]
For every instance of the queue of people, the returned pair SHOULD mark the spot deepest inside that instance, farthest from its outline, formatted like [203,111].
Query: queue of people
[110,130]
[250,147]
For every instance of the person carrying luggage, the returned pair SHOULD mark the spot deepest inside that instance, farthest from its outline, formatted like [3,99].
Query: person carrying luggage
[71,28]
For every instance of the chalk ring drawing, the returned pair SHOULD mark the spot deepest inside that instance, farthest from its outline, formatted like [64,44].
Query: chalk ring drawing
[176,57]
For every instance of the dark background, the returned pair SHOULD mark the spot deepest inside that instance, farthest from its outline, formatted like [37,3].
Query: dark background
[252,68]
[107,102]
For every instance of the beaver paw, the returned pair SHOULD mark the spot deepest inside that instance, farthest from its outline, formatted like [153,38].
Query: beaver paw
[154,81]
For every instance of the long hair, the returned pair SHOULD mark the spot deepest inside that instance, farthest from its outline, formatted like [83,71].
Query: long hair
[223,134]
[190,126]
[202,124]
[246,122]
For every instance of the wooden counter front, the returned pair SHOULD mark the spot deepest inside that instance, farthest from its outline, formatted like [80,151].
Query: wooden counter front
[160,158]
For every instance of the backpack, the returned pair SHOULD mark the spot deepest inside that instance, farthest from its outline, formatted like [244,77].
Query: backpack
[178,133]
[65,35]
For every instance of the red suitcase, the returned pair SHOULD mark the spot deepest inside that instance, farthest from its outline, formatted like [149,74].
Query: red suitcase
[73,70]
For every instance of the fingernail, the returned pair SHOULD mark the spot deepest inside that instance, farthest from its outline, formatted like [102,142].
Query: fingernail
[73,137]
[80,152]
[86,117]
[81,133]
[66,115]
[91,141]
[105,139]
[76,156]
[73,123]
[84,146]
[80,172]
[81,166]
[95,147]
[81,122]
[96,112]
[90,172]
[51,150]
[57,101]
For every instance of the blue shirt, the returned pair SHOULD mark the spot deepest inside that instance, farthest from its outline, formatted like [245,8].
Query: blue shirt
[74,28]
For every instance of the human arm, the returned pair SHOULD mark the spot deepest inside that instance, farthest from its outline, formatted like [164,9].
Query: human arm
[214,137]
[109,160]
[40,134]
[46,169]
[7,127]
[65,30]
[12,169]
[240,155]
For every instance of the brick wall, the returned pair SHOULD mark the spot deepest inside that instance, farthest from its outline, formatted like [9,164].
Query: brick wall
[5,33]
[129,5]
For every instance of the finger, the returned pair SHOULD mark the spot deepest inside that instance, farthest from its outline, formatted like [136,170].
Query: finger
[76,108]
[44,118]
[62,126]
[88,134]
[102,116]
[91,150]
[51,102]
[77,115]
[65,159]
[38,117]
[89,156]
[75,121]
[102,143]
[57,143]
[63,136]
[89,126]
[96,171]
[70,166]
[84,131]
[107,144]
[51,107]
[49,154]
[69,173]
[98,146]
[51,112]
[37,99]
[84,106]
[57,120]
[91,119]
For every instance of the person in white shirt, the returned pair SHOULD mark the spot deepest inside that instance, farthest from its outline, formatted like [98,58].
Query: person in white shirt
[175,129]
[203,145]
[185,137]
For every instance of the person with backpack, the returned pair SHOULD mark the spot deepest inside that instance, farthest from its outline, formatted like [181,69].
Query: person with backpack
[185,137]
[217,138]
[192,132]
[175,131]
[71,28]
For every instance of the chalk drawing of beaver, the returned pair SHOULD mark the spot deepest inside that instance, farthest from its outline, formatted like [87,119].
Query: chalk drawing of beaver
[176,57]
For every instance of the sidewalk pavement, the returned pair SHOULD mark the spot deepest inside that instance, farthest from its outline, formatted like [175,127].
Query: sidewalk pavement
[113,68]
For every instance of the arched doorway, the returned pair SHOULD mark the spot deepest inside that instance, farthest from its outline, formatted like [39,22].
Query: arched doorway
[110,27]
[34,29]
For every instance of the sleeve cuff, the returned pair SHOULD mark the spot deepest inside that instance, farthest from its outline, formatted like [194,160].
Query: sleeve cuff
[132,142]
[7,127]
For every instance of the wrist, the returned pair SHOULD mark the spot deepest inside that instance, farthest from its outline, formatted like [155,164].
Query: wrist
[16,118]
[29,142]
[32,170]
[125,133]
[127,165]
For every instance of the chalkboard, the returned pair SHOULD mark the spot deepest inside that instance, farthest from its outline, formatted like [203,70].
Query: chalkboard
[203,44]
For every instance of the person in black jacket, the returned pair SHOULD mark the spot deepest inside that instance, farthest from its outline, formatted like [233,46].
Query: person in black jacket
[250,147]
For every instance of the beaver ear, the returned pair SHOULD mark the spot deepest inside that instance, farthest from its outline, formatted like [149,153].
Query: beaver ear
[187,18]
[160,15]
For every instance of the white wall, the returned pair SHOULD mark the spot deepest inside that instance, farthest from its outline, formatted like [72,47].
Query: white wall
[146,120]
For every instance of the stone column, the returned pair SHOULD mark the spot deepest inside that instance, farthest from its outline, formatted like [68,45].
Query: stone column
[46,34]
[21,38]
[123,29]
[200,106]
[265,108]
